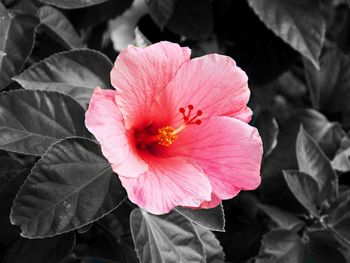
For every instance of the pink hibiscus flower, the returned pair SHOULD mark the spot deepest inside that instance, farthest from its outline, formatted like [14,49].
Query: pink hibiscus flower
[175,130]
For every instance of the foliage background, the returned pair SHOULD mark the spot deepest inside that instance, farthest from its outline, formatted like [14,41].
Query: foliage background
[296,54]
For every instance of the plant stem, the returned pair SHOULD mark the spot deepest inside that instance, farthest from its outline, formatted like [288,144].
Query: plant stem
[341,239]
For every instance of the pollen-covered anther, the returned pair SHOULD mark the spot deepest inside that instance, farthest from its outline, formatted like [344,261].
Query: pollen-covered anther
[166,136]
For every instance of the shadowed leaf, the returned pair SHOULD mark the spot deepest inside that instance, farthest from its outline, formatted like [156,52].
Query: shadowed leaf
[72,185]
[81,18]
[57,25]
[30,121]
[192,19]
[160,10]
[77,73]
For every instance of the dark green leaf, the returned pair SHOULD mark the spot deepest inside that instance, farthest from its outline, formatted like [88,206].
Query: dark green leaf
[192,19]
[57,25]
[16,42]
[213,219]
[281,246]
[160,10]
[298,22]
[52,249]
[72,4]
[30,121]
[312,161]
[268,130]
[72,185]
[283,219]
[305,189]
[212,248]
[168,238]
[77,73]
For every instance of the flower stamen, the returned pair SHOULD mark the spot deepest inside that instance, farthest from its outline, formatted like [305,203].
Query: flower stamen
[167,134]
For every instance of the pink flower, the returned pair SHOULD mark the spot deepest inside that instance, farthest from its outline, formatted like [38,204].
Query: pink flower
[175,130]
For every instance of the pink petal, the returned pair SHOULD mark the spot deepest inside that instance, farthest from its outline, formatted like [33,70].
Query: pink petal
[228,150]
[244,114]
[212,84]
[170,182]
[214,202]
[140,75]
[104,120]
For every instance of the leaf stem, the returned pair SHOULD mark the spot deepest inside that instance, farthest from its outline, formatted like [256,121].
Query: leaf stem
[341,239]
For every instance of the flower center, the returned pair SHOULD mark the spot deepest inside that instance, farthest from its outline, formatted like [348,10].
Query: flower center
[167,135]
